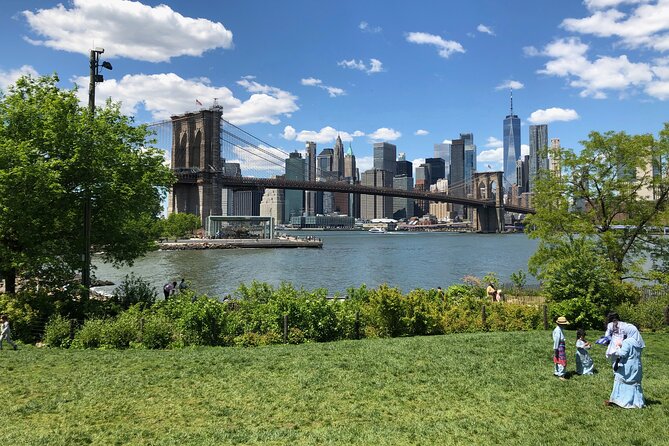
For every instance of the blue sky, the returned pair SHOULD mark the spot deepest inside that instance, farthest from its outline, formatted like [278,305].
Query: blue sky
[412,73]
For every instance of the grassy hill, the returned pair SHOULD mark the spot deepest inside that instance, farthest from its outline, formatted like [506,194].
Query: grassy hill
[476,388]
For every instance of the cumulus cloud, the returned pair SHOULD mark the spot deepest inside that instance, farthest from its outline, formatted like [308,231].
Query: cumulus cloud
[421,132]
[447,141]
[445,47]
[8,78]
[325,135]
[375,65]
[485,29]
[531,51]
[569,60]
[552,114]
[364,163]
[510,85]
[524,149]
[646,25]
[492,155]
[366,28]
[384,134]
[332,91]
[493,142]
[126,29]
[164,95]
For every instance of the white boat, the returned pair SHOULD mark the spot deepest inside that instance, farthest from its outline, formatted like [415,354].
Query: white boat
[377,230]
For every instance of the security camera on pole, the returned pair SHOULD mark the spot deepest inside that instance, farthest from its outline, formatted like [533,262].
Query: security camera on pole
[95,77]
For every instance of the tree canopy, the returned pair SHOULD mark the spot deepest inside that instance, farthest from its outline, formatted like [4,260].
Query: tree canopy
[50,152]
[598,218]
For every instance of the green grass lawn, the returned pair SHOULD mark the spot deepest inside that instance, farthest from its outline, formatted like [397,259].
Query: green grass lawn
[480,388]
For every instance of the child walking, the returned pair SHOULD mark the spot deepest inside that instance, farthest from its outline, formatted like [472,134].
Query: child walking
[6,334]
[584,364]
[560,349]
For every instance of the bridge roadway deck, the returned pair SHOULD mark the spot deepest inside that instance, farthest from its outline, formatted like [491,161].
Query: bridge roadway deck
[280,183]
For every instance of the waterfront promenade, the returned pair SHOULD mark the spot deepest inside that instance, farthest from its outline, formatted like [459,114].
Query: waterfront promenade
[197,244]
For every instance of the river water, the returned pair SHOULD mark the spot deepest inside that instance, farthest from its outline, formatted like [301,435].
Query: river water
[406,260]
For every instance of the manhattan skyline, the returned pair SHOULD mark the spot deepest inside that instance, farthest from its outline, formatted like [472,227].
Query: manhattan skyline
[411,75]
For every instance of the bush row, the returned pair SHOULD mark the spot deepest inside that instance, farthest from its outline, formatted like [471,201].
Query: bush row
[255,316]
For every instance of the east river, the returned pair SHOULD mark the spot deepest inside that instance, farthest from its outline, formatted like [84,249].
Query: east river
[348,259]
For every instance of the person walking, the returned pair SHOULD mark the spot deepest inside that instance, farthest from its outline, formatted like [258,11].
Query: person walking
[560,349]
[6,333]
[627,370]
[584,363]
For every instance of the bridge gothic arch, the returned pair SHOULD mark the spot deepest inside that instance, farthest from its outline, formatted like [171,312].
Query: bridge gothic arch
[487,187]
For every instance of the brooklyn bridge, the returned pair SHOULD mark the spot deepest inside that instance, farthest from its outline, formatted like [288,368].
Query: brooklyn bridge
[212,157]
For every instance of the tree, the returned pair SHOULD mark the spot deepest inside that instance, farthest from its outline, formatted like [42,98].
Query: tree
[597,220]
[180,224]
[50,152]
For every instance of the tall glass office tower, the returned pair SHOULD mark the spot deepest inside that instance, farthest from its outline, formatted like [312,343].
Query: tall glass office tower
[511,149]
[538,152]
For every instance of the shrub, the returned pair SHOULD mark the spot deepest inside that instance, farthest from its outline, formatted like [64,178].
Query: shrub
[202,321]
[157,332]
[423,312]
[647,314]
[121,331]
[134,290]
[90,335]
[385,311]
[57,332]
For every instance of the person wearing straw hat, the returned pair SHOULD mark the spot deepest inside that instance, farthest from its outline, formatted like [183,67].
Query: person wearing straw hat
[560,349]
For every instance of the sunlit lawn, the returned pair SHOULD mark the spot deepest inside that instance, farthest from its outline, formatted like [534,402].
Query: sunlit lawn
[483,388]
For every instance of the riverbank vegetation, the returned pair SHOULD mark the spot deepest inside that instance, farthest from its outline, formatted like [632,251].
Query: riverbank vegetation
[470,388]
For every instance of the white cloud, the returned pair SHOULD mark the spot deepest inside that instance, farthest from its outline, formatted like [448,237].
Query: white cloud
[384,134]
[510,85]
[602,4]
[332,91]
[552,114]
[447,141]
[364,27]
[167,94]
[493,142]
[446,47]
[311,81]
[524,149]
[492,155]
[485,29]
[531,51]
[325,135]
[8,78]
[126,29]
[364,163]
[289,133]
[417,162]
[421,132]
[375,65]
[646,25]
[569,60]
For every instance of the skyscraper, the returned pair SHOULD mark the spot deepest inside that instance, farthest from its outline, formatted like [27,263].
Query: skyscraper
[437,168]
[470,160]
[350,170]
[338,158]
[384,157]
[511,149]
[443,151]
[310,175]
[538,152]
[403,166]
[293,199]
[376,206]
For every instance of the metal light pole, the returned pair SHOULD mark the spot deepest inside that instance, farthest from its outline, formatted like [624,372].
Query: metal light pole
[95,76]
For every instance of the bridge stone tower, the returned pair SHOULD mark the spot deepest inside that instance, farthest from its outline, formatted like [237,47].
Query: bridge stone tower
[488,185]
[196,161]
